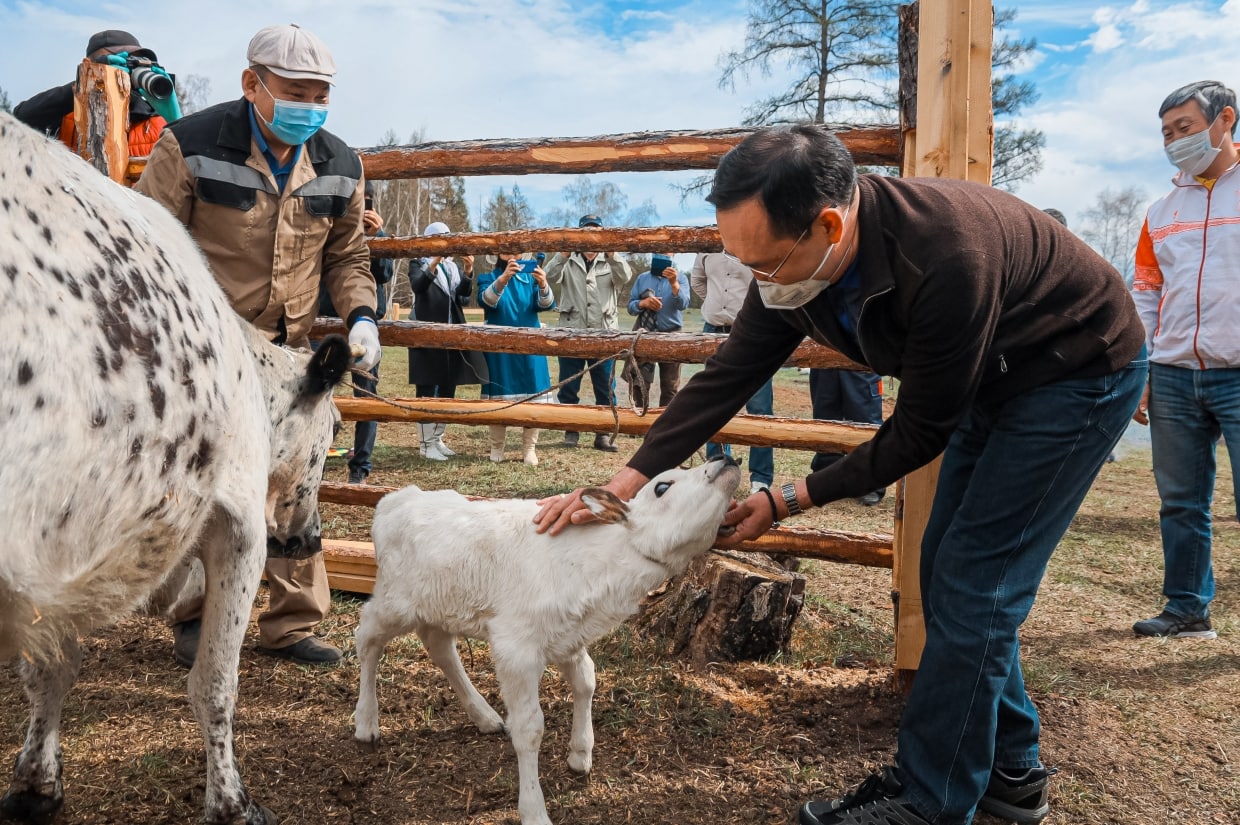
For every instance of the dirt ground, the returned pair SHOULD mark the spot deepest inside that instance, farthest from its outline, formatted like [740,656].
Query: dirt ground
[1143,732]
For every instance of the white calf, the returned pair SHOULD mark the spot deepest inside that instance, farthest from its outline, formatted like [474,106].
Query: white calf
[449,567]
[142,420]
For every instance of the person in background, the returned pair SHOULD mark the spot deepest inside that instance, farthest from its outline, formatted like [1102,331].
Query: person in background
[51,111]
[512,294]
[588,288]
[722,284]
[263,169]
[658,299]
[365,385]
[850,396]
[1185,289]
[1020,357]
[440,290]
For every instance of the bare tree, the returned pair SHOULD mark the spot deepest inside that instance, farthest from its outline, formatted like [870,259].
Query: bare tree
[585,196]
[1112,225]
[5,104]
[193,92]
[840,56]
[505,212]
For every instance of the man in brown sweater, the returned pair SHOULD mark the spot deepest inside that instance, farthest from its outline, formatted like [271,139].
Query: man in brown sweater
[1019,353]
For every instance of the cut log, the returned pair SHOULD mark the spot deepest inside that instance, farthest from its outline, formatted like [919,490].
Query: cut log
[727,607]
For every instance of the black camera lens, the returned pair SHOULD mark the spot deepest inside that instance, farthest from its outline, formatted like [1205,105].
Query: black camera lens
[157,85]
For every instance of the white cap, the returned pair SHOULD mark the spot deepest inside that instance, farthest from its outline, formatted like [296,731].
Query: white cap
[291,51]
[437,228]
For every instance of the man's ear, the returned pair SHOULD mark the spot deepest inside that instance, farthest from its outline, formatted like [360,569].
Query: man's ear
[832,219]
[249,84]
[1228,116]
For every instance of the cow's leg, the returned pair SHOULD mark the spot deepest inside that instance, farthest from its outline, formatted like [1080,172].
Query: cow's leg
[519,677]
[35,794]
[578,671]
[232,555]
[441,647]
[377,627]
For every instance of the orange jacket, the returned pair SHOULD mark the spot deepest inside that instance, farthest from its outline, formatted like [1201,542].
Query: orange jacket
[142,135]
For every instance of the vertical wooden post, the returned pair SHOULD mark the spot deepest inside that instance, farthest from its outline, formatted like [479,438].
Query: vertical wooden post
[101,113]
[951,135]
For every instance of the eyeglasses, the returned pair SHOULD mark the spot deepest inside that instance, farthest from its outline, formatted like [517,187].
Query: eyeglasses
[770,276]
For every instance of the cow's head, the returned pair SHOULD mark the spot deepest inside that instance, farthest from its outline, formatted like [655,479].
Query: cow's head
[300,440]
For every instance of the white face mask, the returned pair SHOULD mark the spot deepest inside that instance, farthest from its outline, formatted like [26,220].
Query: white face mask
[791,296]
[1193,154]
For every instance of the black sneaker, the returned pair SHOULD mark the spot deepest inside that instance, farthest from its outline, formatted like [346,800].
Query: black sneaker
[1021,797]
[876,801]
[1168,624]
[357,476]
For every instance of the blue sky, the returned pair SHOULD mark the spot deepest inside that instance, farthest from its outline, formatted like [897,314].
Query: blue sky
[462,69]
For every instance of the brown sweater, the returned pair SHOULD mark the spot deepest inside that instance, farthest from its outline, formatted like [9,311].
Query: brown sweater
[970,296]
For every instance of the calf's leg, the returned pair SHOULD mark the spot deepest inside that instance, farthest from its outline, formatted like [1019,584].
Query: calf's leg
[518,682]
[441,647]
[36,794]
[578,672]
[377,627]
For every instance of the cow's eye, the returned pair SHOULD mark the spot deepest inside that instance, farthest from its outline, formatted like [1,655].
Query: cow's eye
[662,487]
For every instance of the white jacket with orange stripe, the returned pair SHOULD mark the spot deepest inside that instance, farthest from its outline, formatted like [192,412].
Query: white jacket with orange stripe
[1187,282]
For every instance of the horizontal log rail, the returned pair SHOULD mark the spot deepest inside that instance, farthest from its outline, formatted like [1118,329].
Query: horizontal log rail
[877,145]
[620,239]
[351,564]
[680,347]
[749,430]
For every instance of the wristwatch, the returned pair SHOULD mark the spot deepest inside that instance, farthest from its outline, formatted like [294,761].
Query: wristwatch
[789,492]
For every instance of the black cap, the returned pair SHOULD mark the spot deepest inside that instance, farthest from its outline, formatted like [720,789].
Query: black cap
[590,220]
[110,39]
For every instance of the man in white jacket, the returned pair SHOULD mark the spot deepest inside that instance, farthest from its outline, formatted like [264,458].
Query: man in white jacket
[1187,263]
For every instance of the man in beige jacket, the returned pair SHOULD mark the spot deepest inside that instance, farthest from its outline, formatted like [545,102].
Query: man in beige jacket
[276,204]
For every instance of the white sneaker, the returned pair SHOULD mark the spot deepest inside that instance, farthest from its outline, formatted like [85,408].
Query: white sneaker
[444,448]
[433,453]
[758,485]
[530,458]
[497,455]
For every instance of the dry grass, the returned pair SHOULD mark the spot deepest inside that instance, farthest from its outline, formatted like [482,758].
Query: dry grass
[1143,732]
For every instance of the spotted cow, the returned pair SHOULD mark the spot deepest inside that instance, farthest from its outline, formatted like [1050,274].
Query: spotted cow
[143,421]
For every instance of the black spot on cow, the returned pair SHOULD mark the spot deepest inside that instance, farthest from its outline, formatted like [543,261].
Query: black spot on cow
[202,456]
[170,458]
[98,418]
[11,271]
[101,361]
[47,234]
[25,372]
[39,402]
[158,399]
[7,204]
[63,519]
[32,216]
[74,289]
[135,449]
[122,245]
[29,171]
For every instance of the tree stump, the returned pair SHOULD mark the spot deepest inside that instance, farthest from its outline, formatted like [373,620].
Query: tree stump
[727,607]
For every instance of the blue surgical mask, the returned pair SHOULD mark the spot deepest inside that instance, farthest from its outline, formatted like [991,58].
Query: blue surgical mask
[293,123]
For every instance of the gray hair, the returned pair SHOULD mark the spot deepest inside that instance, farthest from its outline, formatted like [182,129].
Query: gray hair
[1210,95]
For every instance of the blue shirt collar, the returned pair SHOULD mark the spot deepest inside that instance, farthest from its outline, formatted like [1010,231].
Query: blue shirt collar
[281,173]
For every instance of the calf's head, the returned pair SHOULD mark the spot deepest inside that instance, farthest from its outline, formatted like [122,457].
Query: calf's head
[676,515]
[304,426]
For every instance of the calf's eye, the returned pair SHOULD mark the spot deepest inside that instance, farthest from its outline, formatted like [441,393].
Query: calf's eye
[662,487]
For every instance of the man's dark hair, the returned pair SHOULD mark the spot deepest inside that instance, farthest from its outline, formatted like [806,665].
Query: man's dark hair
[1210,95]
[796,171]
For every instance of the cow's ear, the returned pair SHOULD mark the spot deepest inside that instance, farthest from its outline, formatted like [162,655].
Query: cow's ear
[328,365]
[605,505]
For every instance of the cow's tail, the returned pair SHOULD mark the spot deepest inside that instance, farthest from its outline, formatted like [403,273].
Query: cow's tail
[35,623]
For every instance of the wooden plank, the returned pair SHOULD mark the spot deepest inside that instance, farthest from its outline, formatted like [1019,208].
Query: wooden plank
[953,138]
[631,152]
[588,239]
[682,347]
[101,115]
[748,430]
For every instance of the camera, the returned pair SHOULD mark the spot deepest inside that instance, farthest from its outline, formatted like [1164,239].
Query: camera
[370,203]
[528,265]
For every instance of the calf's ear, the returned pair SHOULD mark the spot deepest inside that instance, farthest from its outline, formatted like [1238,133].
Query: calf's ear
[328,365]
[605,505]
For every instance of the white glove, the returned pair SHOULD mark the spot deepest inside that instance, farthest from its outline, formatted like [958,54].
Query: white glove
[365,333]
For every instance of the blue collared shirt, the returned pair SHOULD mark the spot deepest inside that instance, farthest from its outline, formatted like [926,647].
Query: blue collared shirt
[670,317]
[281,173]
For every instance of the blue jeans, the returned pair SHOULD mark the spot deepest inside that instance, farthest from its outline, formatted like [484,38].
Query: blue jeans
[365,431]
[1012,478]
[601,377]
[761,459]
[1189,409]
